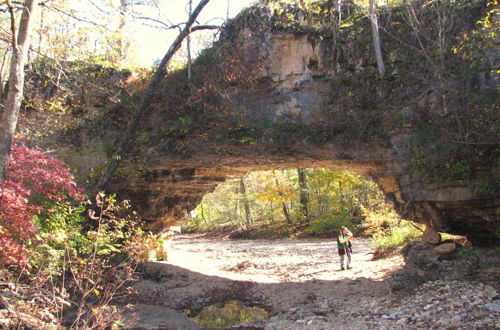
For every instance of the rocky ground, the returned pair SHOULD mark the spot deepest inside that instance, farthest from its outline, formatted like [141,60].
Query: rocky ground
[300,284]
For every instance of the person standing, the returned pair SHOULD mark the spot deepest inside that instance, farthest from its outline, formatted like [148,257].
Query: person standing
[344,247]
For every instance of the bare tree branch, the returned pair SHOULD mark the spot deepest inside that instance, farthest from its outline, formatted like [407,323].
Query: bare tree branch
[170,26]
[205,27]
[71,15]
[166,26]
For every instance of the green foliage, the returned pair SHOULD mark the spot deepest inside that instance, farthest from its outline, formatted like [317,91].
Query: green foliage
[216,213]
[206,57]
[458,132]
[180,127]
[248,139]
[226,315]
[79,262]
[327,225]
[387,231]
[439,50]
[335,199]
[144,137]
[64,232]
[285,132]
[396,235]
[488,190]
[306,16]
[125,172]
[60,231]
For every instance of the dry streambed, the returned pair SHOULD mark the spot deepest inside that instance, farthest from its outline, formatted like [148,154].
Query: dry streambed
[276,261]
[299,283]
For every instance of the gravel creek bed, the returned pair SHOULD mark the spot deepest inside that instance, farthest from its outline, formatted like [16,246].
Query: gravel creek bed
[300,283]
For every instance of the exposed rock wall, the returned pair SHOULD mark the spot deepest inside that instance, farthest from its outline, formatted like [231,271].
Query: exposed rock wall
[296,81]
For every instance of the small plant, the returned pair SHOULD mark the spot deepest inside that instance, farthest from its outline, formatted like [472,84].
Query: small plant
[180,127]
[144,138]
[248,139]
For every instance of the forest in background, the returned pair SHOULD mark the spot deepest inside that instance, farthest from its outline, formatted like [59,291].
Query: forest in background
[301,203]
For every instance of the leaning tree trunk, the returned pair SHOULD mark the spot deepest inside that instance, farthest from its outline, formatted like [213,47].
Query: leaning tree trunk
[10,116]
[128,140]
[288,219]
[376,39]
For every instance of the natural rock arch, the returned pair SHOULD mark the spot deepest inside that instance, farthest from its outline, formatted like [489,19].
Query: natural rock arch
[166,193]
[309,104]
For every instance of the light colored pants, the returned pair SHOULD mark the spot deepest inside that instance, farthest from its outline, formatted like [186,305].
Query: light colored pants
[348,259]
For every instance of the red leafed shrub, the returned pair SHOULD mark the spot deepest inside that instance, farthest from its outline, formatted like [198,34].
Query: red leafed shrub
[33,178]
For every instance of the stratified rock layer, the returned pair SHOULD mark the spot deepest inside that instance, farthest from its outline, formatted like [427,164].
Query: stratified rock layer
[296,83]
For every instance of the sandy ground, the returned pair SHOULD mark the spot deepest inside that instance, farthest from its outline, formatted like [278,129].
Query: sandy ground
[301,285]
[276,261]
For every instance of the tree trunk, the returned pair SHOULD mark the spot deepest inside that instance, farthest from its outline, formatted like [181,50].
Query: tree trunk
[129,137]
[376,39]
[3,72]
[122,43]
[286,214]
[188,44]
[272,212]
[246,207]
[304,194]
[283,203]
[40,31]
[338,8]
[20,47]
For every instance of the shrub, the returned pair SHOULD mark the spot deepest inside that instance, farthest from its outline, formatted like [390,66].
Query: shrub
[386,241]
[80,267]
[99,270]
[59,232]
[33,180]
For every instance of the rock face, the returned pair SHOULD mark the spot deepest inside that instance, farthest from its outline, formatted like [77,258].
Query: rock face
[296,83]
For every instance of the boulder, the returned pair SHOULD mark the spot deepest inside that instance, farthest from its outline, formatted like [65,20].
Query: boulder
[445,248]
[431,236]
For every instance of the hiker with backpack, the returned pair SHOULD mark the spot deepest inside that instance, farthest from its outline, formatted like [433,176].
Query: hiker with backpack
[344,247]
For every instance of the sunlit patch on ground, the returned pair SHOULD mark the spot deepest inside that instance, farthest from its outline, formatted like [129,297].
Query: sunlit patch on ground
[276,261]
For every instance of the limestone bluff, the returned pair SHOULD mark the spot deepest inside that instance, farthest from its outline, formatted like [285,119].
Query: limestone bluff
[307,95]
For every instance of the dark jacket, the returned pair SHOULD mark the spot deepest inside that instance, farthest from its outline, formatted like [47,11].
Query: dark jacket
[344,243]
